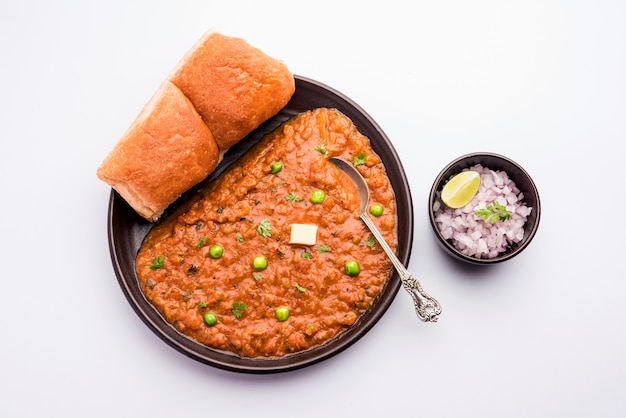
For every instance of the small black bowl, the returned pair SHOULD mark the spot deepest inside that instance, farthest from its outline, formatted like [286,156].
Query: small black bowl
[516,173]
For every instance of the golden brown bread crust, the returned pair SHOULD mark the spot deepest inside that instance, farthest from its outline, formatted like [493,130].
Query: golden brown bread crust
[220,91]
[167,150]
[234,86]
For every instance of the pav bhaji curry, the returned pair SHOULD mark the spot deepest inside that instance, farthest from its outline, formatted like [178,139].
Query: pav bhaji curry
[271,257]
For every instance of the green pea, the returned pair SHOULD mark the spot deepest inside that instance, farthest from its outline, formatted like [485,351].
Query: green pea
[376,209]
[259,263]
[210,319]
[318,197]
[352,268]
[282,313]
[277,166]
[216,251]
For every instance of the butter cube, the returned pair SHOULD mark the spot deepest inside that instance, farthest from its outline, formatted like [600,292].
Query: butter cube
[303,234]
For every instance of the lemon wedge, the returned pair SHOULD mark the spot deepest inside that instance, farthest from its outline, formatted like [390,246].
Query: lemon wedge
[461,189]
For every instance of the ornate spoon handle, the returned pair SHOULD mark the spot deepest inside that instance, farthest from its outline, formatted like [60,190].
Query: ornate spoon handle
[426,307]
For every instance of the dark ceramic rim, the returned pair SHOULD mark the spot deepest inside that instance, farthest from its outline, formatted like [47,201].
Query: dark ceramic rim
[126,231]
[517,173]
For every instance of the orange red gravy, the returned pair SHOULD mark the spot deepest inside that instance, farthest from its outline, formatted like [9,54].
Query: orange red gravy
[181,279]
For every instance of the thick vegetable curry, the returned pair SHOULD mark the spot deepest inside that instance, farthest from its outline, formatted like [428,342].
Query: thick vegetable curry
[222,270]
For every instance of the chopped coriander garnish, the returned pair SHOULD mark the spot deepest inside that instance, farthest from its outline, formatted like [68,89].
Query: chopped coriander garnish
[201,242]
[370,241]
[358,159]
[306,255]
[321,148]
[238,308]
[257,276]
[323,248]
[264,228]
[239,238]
[202,304]
[157,263]
[292,197]
[493,213]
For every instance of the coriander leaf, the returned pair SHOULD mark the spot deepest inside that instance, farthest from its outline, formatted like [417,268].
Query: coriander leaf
[493,213]
[321,148]
[257,276]
[306,255]
[358,159]
[370,241]
[202,304]
[264,228]
[239,238]
[323,248]
[157,263]
[292,197]
[201,242]
[238,308]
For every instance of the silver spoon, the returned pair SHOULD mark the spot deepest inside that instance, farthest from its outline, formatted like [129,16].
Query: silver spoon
[426,307]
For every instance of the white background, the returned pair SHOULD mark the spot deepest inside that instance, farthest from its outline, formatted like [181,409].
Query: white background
[540,81]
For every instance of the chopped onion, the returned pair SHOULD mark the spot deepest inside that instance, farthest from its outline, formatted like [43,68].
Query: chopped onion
[478,238]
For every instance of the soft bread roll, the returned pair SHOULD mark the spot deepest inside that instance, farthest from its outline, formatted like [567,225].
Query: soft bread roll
[166,151]
[234,86]
[220,91]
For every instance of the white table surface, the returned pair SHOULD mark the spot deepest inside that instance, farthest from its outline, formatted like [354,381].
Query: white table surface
[542,82]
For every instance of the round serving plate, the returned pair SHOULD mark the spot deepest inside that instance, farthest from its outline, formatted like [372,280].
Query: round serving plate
[126,231]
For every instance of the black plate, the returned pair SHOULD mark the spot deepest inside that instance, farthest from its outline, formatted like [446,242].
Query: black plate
[126,231]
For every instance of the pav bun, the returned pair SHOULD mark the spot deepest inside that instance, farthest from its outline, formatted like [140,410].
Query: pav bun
[234,86]
[219,92]
[166,151]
